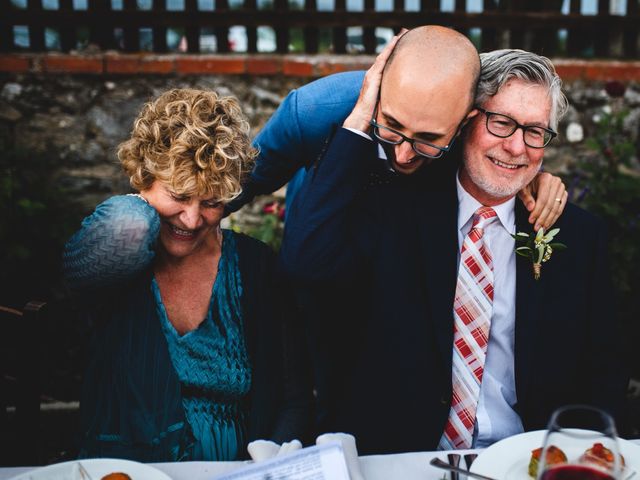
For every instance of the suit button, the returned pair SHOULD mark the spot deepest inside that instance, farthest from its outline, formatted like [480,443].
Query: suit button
[444,401]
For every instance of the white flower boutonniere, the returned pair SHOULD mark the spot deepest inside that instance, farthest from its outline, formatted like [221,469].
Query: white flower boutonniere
[538,248]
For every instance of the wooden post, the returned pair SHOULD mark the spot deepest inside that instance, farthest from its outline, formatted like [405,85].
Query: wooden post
[489,35]
[36,32]
[429,5]
[6,28]
[398,6]
[99,33]
[369,33]
[222,33]
[67,33]
[192,32]
[339,34]
[311,34]
[252,32]
[630,38]
[282,32]
[460,7]
[602,34]
[159,32]
[516,33]
[575,36]
[131,32]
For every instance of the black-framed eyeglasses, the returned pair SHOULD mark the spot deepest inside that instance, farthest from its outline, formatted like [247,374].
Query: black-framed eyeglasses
[504,126]
[393,137]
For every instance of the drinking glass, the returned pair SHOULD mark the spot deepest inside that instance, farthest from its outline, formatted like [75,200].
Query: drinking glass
[587,436]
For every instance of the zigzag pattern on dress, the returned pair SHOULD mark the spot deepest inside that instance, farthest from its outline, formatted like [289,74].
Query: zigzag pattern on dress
[115,243]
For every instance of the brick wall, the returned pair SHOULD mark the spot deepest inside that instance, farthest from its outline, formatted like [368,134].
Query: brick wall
[262,65]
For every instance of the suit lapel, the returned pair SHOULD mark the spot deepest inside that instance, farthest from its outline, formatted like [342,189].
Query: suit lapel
[437,229]
[528,296]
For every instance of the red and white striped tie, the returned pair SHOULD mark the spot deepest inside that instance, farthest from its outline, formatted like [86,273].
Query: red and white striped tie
[473,307]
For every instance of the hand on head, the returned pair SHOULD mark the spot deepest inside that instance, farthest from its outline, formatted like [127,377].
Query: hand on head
[363,110]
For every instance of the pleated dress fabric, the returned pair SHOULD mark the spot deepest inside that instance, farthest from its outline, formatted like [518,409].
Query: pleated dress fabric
[212,364]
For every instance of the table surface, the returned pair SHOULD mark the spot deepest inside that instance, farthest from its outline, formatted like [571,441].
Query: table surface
[405,466]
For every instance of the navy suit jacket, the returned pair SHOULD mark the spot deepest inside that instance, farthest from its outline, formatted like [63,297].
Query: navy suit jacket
[393,246]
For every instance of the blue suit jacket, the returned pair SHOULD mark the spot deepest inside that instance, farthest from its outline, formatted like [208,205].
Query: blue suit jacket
[393,246]
[296,133]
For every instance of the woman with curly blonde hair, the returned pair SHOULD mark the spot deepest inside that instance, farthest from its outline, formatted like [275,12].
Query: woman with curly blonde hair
[194,354]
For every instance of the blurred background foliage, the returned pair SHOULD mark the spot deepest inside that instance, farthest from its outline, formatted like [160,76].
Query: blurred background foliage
[605,182]
[37,215]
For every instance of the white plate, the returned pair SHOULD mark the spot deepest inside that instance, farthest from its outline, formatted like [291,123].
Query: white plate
[509,458]
[97,468]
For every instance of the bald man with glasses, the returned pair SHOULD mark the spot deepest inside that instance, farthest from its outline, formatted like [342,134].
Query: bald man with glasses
[452,342]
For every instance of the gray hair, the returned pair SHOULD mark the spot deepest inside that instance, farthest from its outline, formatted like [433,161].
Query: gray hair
[500,66]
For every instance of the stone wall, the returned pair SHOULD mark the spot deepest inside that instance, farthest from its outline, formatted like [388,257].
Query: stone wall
[77,117]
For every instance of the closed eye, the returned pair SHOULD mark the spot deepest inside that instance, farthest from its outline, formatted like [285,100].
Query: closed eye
[535,132]
[179,198]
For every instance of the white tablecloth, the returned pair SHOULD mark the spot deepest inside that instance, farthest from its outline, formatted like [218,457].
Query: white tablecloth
[404,466]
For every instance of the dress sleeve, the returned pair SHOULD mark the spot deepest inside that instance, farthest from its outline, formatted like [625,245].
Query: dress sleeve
[114,243]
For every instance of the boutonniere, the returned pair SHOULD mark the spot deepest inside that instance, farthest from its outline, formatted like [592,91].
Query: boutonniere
[538,248]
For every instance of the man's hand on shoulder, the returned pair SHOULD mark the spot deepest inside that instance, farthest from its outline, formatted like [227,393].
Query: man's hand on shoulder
[362,113]
[545,197]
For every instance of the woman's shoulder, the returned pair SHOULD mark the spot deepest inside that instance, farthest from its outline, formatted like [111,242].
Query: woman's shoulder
[253,255]
[251,244]
[122,207]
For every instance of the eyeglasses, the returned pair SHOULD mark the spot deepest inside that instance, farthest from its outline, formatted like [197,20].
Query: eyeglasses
[504,126]
[394,137]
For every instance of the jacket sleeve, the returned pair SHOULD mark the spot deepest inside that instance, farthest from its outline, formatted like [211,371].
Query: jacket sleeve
[294,418]
[294,136]
[608,366]
[115,243]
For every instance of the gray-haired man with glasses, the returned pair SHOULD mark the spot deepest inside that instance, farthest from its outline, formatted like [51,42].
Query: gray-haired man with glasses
[454,343]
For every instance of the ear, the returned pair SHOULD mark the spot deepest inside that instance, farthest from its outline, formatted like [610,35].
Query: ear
[473,113]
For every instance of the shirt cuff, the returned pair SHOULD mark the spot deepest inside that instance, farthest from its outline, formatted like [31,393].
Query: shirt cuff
[359,132]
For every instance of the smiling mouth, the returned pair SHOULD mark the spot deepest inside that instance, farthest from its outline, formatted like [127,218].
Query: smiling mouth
[180,233]
[508,166]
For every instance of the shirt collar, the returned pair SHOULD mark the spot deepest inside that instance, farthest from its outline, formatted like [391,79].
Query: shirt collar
[467,205]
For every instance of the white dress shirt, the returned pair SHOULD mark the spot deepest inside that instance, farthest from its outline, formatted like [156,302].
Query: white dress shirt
[495,417]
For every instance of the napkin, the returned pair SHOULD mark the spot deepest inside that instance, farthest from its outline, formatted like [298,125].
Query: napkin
[350,451]
[260,450]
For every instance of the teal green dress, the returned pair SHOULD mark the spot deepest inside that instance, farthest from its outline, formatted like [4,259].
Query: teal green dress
[212,365]
[151,395]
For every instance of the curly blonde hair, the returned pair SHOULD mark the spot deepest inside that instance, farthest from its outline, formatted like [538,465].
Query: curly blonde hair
[194,141]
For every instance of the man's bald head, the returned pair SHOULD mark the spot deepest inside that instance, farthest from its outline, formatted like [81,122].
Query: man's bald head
[436,54]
